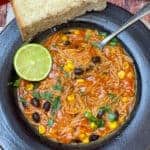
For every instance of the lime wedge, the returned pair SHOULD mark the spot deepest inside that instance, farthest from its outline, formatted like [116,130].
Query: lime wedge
[32,62]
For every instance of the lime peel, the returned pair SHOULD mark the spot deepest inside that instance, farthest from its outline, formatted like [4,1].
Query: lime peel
[32,62]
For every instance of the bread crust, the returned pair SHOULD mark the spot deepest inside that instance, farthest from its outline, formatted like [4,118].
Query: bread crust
[28,31]
[20,21]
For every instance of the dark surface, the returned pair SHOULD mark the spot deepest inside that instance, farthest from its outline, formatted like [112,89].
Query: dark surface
[15,134]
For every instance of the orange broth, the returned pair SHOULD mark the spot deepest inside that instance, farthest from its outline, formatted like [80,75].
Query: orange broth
[89,92]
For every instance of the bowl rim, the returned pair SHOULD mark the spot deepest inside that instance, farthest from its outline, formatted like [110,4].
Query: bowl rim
[134,114]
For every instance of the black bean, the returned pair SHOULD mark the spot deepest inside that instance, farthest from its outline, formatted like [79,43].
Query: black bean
[66,43]
[96,59]
[100,113]
[78,71]
[35,102]
[46,106]
[76,141]
[93,137]
[36,117]
[117,114]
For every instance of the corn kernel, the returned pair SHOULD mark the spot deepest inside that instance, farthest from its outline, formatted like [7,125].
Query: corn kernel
[69,66]
[130,75]
[93,125]
[113,125]
[76,32]
[126,65]
[64,38]
[80,80]
[82,136]
[121,74]
[124,99]
[42,129]
[29,87]
[86,140]
[75,110]
[71,98]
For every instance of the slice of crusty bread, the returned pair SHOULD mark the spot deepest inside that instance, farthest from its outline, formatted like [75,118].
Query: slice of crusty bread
[34,16]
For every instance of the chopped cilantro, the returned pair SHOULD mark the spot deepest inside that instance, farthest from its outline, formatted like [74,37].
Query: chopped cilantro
[50,122]
[92,118]
[105,108]
[100,123]
[36,95]
[23,101]
[104,34]
[113,96]
[14,83]
[87,36]
[113,42]
[58,86]
[46,95]
[56,104]
[95,44]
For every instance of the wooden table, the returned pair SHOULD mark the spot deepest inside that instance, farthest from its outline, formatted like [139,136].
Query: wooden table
[6,13]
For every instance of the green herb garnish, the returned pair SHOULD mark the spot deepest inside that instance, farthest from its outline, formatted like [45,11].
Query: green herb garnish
[23,101]
[46,95]
[87,36]
[105,108]
[95,44]
[112,96]
[50,122]
[92,118]
[100,123]
[113,42]
[104,34]
[16,83]
[36,95]
[87,114]
[58,86]
[56,104]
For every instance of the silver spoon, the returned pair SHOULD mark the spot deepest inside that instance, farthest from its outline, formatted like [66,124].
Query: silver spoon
[142,12]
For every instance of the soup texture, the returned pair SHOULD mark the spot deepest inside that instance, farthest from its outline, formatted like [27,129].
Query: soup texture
[88,94]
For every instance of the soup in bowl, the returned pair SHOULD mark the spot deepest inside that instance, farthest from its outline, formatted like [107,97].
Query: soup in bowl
[88,94]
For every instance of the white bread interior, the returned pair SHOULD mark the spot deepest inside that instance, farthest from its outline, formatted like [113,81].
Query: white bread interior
[34,16]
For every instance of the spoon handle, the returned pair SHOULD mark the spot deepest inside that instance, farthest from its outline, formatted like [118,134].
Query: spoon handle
[142,12]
